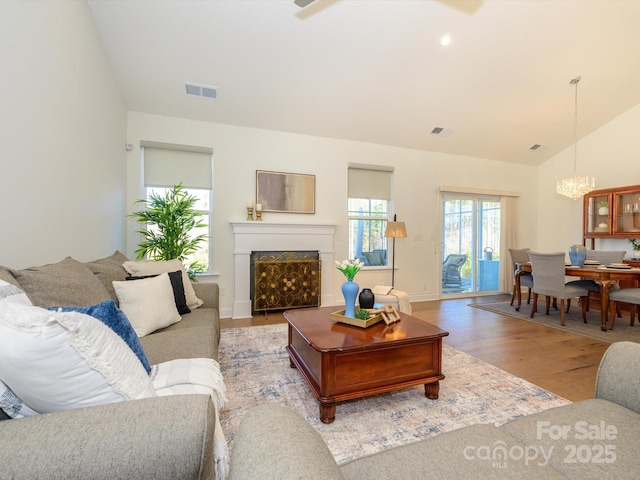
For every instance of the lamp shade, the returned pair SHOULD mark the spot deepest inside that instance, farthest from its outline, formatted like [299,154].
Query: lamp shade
[395,230]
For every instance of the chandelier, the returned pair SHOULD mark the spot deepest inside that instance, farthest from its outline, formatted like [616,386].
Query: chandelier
[576,186]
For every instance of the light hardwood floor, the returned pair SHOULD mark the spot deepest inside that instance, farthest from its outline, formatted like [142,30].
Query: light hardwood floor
[560,362]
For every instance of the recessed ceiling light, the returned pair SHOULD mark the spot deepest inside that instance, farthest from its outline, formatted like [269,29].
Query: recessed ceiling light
[445,40]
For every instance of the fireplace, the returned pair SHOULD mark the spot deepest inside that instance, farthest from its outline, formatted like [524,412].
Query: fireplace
[282,237]
[284,280]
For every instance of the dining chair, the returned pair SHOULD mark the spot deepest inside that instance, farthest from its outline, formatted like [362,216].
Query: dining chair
[627,295]
[549,280]
[526,279]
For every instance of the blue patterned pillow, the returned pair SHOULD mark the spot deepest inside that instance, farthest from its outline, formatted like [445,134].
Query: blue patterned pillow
[116,320]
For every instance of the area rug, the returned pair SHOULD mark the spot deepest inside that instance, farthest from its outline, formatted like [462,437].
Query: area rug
[573,321]
[256,368]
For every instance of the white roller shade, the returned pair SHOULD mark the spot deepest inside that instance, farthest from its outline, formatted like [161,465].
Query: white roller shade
[168,167]
[365,183]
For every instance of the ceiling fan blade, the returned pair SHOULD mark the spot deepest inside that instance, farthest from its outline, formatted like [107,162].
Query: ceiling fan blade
[303,3]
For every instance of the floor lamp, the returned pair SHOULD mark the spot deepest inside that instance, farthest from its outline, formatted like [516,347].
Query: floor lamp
[395,230]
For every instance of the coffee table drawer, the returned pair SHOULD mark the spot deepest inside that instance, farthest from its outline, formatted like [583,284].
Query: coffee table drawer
[387,367]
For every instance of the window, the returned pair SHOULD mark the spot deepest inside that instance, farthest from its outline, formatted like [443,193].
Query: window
[368,210]
[166,165]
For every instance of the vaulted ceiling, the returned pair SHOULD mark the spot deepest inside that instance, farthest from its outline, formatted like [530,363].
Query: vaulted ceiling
[374,70]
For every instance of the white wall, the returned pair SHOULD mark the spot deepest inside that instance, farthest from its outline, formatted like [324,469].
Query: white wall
[239,152]
[612,155]
[62,136]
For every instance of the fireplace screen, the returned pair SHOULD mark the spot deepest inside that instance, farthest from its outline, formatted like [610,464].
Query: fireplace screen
[284,280]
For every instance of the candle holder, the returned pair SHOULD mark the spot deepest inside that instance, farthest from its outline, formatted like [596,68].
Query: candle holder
[250,214]
[258,215]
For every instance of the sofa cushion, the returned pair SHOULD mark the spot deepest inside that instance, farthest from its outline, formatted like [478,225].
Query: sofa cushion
[116,320]
[67,282]
[196,342]
[152,267]
[109,270]
[589,439]
[64,360]
[148,303]
[11,293]
[178,290]
[160,438]
[274,442]
[477,451]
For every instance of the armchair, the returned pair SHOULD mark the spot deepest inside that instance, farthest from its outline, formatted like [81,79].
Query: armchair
[451,269]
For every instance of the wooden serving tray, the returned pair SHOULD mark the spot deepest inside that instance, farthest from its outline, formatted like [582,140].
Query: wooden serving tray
[356,322]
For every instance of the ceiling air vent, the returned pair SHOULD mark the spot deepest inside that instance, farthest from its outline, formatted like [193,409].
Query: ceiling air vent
[204,91]
[440,131]
[536,147]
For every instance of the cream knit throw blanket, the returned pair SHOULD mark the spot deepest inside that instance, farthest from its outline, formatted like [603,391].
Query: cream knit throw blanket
[403,301]
[403,298]
[197,375]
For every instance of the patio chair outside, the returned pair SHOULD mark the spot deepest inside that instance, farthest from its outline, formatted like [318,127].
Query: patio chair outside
[451,269]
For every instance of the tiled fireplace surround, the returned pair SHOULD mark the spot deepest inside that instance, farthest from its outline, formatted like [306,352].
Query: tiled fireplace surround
[270,236]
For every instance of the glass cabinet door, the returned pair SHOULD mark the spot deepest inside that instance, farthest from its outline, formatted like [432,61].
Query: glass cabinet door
[598,214]
[627,212]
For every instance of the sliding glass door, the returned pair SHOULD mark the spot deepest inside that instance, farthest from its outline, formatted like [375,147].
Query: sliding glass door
[470,244]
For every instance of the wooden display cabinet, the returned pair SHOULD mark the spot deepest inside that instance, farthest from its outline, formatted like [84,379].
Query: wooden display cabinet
[626,215]
[612,213]
[619,218]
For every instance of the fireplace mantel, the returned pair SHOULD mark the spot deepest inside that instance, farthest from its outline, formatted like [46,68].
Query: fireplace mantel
[252,236]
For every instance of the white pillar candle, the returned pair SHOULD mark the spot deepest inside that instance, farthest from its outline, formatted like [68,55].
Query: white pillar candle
[250,204]
[259,207]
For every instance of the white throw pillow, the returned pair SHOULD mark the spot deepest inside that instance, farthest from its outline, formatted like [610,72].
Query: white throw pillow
[148,303]
[64,360]
[142,268]
[11,293]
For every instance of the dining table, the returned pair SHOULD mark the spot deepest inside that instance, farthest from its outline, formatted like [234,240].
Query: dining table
[604,275]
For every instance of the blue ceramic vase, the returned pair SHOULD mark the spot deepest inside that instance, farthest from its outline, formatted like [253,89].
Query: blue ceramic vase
[350,292]
[577,255]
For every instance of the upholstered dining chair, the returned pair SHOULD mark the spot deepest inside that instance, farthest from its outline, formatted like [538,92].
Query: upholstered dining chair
[549,280]
[627,295]
[526,279]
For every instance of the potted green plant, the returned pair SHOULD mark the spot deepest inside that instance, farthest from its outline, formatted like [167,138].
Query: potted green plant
[603,208]
[173,217]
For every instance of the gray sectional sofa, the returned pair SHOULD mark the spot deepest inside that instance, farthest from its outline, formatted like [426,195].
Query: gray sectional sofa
[591,439]
[169,437]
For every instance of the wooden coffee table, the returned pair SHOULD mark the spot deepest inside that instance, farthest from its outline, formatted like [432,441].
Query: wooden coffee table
[341,362]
